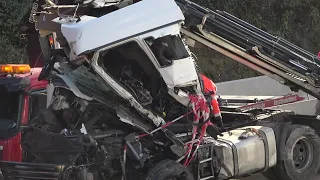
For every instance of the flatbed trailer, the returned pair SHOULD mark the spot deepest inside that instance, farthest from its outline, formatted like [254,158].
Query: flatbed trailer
[257,102]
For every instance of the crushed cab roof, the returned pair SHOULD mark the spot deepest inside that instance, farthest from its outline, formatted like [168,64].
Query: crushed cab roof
[130,21]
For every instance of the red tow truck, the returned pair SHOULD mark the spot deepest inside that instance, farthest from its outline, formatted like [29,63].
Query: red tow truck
[22,98]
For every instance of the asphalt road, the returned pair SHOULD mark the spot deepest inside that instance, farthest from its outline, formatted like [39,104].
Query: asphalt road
[260,177]
[255,177]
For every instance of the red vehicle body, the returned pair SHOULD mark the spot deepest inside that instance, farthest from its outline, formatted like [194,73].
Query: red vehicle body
[11,149]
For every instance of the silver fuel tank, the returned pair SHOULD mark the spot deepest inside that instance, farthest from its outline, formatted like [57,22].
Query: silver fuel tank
[248,149]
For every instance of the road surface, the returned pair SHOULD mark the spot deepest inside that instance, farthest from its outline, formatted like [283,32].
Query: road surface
[260,177]
[255,177]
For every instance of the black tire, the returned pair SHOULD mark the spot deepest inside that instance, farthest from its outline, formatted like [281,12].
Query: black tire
[302,157]
[167,170]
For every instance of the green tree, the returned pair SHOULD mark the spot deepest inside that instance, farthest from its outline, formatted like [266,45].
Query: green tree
[11,13]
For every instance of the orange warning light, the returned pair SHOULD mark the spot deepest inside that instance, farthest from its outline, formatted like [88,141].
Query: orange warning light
[14,68]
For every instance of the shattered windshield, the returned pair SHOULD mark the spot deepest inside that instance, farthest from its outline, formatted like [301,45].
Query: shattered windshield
[88,82]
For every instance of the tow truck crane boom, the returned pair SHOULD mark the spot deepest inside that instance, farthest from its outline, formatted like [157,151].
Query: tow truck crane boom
[253,47]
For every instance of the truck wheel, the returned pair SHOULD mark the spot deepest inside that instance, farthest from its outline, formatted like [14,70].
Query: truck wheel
[169,170]
[302,156]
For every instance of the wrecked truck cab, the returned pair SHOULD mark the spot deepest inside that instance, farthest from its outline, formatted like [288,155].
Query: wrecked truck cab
[158,36]
[135,61]
[176,70]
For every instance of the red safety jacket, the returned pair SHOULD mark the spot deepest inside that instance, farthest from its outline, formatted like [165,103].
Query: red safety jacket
[209,86]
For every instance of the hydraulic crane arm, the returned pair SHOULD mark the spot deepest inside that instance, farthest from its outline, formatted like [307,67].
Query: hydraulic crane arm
[241,41]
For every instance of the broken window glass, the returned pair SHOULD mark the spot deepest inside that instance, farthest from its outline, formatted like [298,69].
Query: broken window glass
[167,49]
[131,66]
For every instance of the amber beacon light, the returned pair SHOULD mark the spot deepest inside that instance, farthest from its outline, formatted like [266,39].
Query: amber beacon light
[14,68]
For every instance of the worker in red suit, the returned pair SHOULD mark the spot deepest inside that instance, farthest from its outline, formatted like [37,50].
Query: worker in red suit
[211,89]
